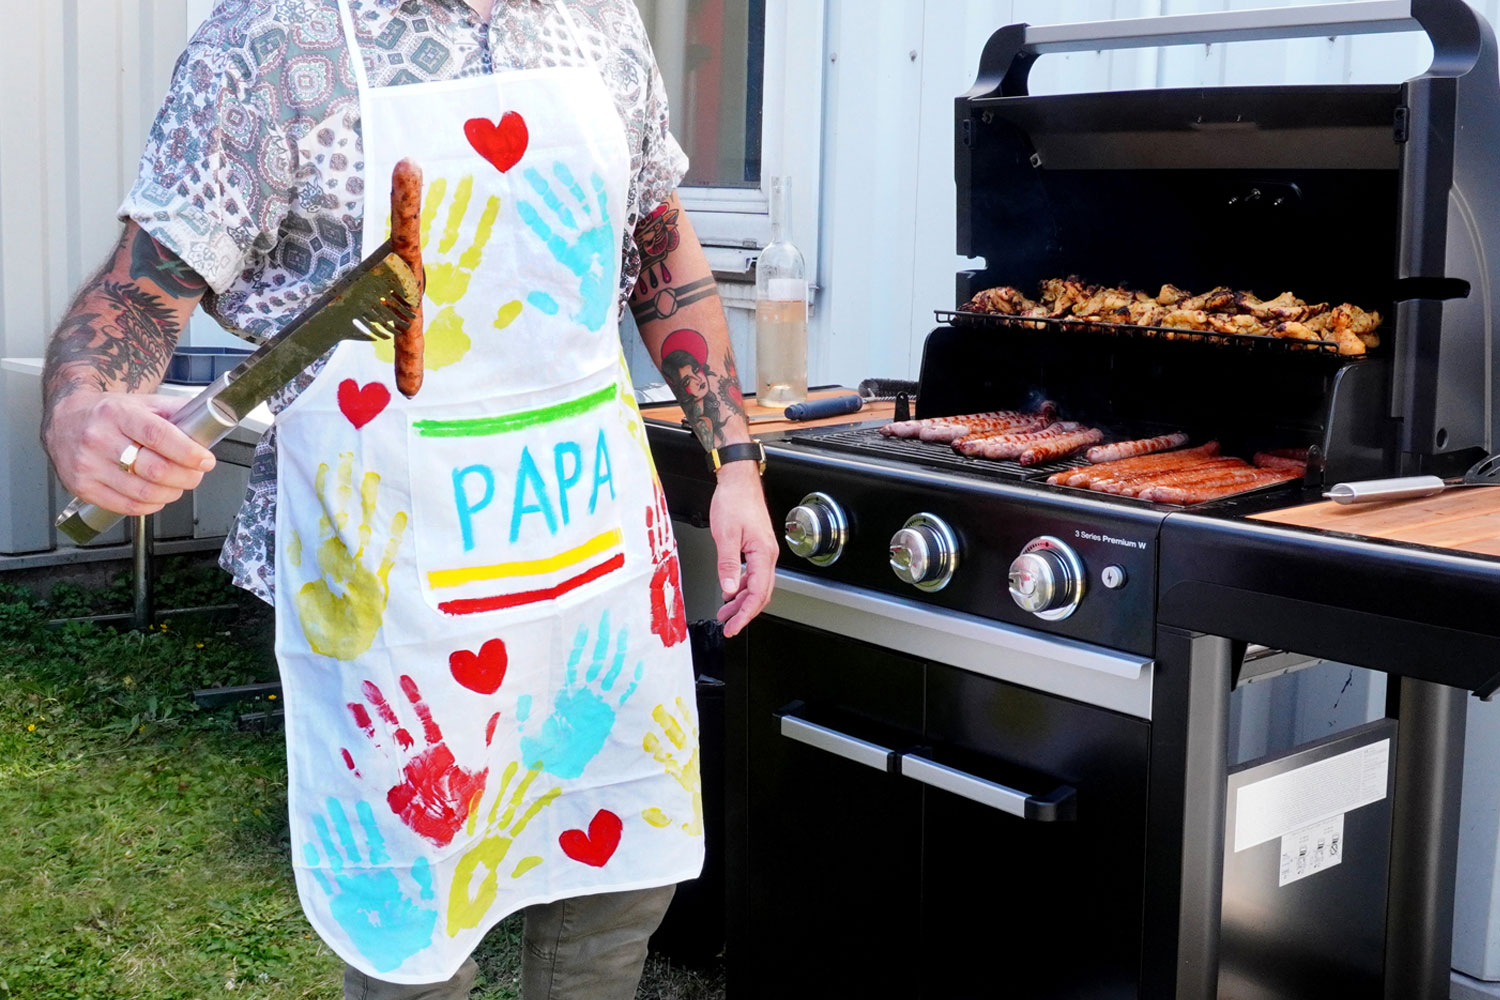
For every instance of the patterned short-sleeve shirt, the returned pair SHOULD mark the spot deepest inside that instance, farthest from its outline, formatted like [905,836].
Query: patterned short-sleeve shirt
[253,173]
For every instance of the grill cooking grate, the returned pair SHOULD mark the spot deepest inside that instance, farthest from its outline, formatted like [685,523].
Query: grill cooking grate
[1240,341]
[869,441]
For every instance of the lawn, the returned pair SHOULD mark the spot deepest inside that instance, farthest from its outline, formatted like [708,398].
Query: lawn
[143,841]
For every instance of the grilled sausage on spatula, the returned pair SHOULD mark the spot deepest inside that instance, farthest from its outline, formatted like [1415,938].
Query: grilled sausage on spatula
[406,240]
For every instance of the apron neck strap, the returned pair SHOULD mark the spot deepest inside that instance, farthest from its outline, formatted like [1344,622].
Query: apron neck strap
[561,6]
[356,56]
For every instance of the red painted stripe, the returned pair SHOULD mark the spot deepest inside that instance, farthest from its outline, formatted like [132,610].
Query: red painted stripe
[480,605]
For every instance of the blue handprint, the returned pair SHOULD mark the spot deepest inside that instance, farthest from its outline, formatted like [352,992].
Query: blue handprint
[381,919]
[582,715]
[593,255]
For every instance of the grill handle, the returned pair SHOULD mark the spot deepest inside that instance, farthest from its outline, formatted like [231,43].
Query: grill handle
[1059,805]
[1452,26]
[839,744]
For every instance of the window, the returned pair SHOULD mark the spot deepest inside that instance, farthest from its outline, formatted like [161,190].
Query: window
[745,80]
[712,57]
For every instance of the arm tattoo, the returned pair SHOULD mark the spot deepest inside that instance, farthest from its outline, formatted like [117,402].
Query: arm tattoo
[154,262]
[657,236]
[125,339]
[149,332]
[665,303]
[709,400]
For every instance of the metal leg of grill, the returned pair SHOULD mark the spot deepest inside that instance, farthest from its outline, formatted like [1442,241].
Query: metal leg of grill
[1185,817]
[1424,841]
[141,531]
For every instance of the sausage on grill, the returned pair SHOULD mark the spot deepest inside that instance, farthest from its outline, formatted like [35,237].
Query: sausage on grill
[1010,447]
[406,240]
[1271,460]
[1129,466]
[1060,447]
[1205,492]
[953,428]
[1131,449]
[1133,484]
[1230,471]
[975,442]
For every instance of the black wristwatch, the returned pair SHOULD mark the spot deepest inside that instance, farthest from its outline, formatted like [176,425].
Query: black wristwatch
[749,452]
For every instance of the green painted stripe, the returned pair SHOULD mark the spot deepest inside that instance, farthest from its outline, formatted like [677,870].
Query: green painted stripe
[490,426]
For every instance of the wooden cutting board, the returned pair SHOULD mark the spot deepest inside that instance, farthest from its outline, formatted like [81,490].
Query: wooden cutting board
[765,419]
[1464,520]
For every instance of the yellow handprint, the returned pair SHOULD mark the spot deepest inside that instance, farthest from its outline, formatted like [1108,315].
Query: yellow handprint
[635,425]
[675,728]
[468,902]
[342,611]
[447,278]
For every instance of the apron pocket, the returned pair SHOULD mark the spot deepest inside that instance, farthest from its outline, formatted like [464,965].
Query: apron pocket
[516,511]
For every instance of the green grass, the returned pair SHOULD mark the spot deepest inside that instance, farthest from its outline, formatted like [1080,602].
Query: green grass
[143,841]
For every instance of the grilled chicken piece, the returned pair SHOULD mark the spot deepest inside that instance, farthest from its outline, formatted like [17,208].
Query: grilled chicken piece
[1284,308]
[1061,294]
[1349,343]
[1000,301]
[1147,313]
[1104,301]
[1243,325]
[1218,300]
[1170,295]
[1351,326]
[1186,319]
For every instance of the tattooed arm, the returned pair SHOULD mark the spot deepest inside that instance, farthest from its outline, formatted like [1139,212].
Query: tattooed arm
[108,354]
[676,305]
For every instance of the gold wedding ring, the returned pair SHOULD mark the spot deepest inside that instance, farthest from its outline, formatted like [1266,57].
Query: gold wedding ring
[128,456]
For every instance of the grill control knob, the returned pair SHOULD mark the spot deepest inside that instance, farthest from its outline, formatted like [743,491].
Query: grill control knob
[924,553]
[817,529]
[1047,579]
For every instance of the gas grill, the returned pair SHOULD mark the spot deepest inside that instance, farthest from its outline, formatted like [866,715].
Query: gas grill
[964,755]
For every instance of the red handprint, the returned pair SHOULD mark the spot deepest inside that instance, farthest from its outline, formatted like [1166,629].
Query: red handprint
[435,796]
[668,615]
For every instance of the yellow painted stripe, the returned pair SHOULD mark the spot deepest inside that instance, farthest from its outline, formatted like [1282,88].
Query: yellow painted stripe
[443,579]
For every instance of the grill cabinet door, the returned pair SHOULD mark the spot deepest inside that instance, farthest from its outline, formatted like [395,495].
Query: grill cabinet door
[825,902]
[1030,907]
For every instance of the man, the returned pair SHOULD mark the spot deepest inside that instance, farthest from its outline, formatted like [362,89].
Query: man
[489,696]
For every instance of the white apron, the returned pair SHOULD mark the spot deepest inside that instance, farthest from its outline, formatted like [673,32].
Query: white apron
[488,690]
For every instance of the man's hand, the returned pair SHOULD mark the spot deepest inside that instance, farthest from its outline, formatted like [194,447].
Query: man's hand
[88,431]
[741,527]
[108,354]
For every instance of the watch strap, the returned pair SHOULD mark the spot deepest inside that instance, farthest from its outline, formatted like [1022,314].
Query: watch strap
[751,451]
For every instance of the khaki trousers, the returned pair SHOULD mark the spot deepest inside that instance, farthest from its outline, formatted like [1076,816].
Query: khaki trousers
[584,948]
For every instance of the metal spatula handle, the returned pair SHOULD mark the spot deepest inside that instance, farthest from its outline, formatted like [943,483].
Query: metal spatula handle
[1373,490]
[202,419]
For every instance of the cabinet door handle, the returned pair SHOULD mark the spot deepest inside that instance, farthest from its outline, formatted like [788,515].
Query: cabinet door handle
[839,744]
[1058,805]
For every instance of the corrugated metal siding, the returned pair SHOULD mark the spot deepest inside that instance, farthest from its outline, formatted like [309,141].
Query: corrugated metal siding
[83,80]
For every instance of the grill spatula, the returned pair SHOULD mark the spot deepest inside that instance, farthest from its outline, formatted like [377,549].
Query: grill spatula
[371,302]
[1484,473]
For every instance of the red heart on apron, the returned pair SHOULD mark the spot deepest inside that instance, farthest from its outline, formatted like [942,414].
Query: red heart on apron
[483,671]
[361,405]
[598,845]
[503,144]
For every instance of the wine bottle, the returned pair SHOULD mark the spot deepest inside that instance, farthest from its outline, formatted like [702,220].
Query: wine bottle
[780,309]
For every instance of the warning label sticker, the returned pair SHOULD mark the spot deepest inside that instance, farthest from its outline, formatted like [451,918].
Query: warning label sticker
[1312,849]
[1292,802]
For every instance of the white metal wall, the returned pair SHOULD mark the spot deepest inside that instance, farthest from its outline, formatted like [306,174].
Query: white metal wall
[82,80]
